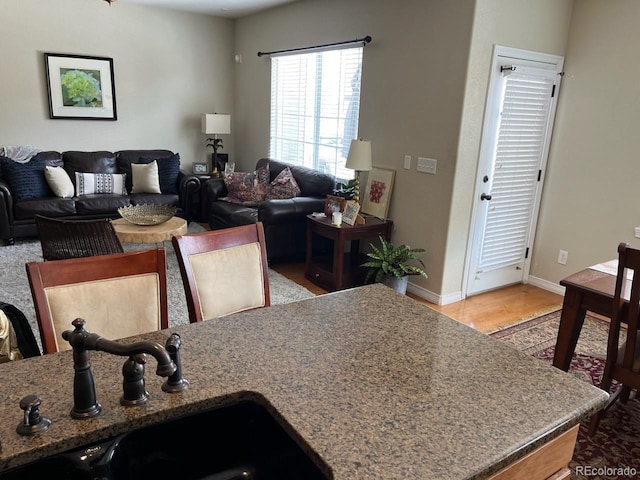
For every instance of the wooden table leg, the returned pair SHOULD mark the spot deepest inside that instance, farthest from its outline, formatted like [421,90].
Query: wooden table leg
[571,321]
[338,263]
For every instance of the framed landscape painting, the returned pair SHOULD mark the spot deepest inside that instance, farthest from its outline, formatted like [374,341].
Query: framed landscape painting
[377,194]
[80,87]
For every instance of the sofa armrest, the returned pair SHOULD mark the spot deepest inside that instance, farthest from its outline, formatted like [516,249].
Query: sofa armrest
[188,190]
[6,210]
[215,188]
[290,210]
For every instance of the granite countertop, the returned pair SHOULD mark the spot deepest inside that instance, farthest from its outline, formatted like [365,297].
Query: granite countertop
[376,384]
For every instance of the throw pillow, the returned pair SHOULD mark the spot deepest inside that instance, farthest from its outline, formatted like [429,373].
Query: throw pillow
[89,183]
[248,189]
[168,171]
[59,181]
[145,177]
[26,180]
[283,186]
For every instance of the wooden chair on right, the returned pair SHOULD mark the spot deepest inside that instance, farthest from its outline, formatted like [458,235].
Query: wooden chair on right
[62,239]
[223,271]
[623,359]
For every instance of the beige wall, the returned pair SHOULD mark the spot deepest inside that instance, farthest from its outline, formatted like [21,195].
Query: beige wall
[169,67]
[411,100]
[591,194]
[541,26]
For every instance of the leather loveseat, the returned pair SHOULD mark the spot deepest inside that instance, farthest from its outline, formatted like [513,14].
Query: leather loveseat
[284,220]
[24,191]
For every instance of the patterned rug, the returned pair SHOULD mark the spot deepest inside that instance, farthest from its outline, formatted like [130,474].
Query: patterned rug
[614,451]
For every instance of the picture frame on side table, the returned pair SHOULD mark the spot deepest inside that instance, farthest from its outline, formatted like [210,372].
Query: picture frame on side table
[350,213]
[333,204]
[200,168]
[80,87]
[377,193]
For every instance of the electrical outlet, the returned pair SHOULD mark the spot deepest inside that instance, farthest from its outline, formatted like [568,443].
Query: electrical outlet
[562,257]
[407,162]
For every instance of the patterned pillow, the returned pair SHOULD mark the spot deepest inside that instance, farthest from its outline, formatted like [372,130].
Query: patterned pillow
[283,186]
[90,183]
[168,171]
[26,180]
[248,189]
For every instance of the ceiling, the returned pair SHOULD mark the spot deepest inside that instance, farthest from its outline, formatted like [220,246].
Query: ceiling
[219,8]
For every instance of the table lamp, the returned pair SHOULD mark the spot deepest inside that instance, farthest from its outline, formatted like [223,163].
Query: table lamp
[359,159]
[215,124]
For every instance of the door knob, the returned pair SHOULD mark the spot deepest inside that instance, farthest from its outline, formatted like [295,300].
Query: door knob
[484,196]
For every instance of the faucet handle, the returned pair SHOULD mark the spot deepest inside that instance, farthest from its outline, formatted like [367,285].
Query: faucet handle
[33,422]
[175,382]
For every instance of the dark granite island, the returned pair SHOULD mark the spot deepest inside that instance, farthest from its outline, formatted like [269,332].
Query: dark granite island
[375,383]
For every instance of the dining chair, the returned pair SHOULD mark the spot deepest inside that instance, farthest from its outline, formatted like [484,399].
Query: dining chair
[622,364]
[62,239]
[223,271]
[119,295]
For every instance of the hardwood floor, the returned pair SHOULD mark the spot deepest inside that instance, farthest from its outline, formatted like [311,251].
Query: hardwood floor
[485,312]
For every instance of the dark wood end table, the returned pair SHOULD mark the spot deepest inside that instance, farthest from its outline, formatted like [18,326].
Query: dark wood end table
[341,269]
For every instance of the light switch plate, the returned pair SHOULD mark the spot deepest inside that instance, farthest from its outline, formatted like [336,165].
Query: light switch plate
[407,162]
[427,165]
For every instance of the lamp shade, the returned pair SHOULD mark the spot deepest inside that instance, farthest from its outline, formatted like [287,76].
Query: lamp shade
[359,157]
[216,123]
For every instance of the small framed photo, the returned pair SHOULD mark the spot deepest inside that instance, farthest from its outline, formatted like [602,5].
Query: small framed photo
[80,87]
[200,168]
[377,194]
[333,204]
[350,212]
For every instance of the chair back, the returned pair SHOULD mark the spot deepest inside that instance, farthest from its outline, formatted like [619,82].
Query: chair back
[223,271]
[62,239]
[118,295]
[622,359]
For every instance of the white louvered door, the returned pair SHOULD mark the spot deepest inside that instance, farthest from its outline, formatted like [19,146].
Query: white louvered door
[515,143]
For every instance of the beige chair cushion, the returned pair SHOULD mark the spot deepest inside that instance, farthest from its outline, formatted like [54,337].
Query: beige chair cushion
[113,308]
[229,280]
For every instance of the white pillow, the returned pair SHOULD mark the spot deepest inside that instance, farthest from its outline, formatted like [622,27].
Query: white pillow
[59,181]
[144,177]
[89,183]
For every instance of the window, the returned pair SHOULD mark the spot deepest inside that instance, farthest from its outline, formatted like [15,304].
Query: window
[315,103]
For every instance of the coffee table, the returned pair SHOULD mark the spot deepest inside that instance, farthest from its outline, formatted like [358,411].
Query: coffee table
[130,233]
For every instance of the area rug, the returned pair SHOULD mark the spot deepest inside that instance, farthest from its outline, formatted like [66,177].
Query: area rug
[614,451]
[14,286]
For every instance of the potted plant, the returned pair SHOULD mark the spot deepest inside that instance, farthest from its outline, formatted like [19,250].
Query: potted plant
[346,190]
[388,264]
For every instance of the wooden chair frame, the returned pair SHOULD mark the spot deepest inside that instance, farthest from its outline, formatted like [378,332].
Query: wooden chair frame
[54,273]
[622,360]
[186,245]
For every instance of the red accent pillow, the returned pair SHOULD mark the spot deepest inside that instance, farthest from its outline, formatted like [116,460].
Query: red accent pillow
[248,189]
[283,186]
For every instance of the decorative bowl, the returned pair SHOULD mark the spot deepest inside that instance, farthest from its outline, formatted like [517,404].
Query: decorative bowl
[147,214]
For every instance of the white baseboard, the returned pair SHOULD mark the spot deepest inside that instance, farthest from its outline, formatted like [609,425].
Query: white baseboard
[546,285]
[432,297]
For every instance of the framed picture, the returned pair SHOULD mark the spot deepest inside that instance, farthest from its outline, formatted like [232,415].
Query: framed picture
[333,204]
[80,87]
[350,212]
[200,168]
[377,194]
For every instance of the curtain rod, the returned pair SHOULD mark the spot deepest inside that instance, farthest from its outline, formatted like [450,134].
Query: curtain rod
[364,40]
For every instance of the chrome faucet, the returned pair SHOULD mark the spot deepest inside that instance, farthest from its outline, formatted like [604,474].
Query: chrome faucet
[85,404]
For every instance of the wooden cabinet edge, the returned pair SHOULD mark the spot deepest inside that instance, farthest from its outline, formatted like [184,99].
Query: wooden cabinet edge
[549,462]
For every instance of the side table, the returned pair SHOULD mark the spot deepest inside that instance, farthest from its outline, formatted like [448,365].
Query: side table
[341,268]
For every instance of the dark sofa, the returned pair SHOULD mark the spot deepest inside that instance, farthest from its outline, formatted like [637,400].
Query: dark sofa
[24,192]
[284,220]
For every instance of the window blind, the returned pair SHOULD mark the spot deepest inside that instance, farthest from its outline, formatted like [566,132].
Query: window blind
[315,105]
[519,150]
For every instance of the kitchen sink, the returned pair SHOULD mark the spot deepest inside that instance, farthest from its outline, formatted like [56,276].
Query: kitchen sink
[242,441]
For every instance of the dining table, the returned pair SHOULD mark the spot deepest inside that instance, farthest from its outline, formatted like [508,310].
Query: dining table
[372,384]
[591,289]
